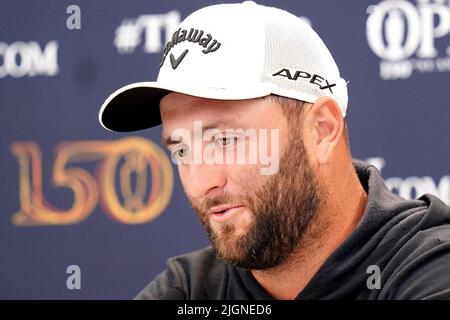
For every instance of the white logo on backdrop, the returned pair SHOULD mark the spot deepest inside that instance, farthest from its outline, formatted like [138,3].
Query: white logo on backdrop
[146,30]
[414,187]
[20,59]
[406,35]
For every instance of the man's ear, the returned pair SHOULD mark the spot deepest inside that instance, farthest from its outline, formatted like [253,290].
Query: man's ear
[325,126]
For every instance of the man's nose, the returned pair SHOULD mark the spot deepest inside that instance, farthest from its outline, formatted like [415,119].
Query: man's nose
[206,180]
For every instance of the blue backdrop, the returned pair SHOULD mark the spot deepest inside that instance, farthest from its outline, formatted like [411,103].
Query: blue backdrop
[73,194]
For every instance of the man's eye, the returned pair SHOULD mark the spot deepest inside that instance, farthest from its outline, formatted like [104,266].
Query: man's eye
[179,153]
[226,141]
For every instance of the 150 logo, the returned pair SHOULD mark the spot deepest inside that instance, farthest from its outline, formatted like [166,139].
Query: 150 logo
[406,36]
[129,160]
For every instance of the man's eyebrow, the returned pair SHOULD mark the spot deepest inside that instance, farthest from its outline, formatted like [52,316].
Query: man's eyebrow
[215,124]
[169,141]
[220,123]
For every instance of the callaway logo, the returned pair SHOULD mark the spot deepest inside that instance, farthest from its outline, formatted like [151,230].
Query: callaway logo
[175,62]
[315,78]
[193,35]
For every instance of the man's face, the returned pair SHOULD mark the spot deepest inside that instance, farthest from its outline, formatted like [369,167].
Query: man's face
[253,220]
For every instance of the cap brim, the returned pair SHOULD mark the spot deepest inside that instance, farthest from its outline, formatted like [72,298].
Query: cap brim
[136,106]
[132,107]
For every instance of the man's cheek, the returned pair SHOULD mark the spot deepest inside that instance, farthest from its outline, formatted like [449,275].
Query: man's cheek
[184,181]
[249,179]
[244,176]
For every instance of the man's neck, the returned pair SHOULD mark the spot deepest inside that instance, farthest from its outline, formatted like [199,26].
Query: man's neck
[335,221]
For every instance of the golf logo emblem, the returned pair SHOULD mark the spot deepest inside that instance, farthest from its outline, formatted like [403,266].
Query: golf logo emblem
[193,35]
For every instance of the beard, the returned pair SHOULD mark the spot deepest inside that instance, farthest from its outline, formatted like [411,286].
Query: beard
[283,209]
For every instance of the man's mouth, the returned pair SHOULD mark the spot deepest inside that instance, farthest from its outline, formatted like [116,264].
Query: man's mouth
[223,212]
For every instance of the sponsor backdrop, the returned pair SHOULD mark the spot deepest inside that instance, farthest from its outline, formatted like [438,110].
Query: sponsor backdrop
[87,213]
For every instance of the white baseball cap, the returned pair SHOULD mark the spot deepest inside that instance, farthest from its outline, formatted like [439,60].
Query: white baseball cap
[232,52]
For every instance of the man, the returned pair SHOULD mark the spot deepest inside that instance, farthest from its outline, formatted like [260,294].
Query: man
[319,225]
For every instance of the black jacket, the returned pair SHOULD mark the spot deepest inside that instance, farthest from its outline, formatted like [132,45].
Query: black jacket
[409,241]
